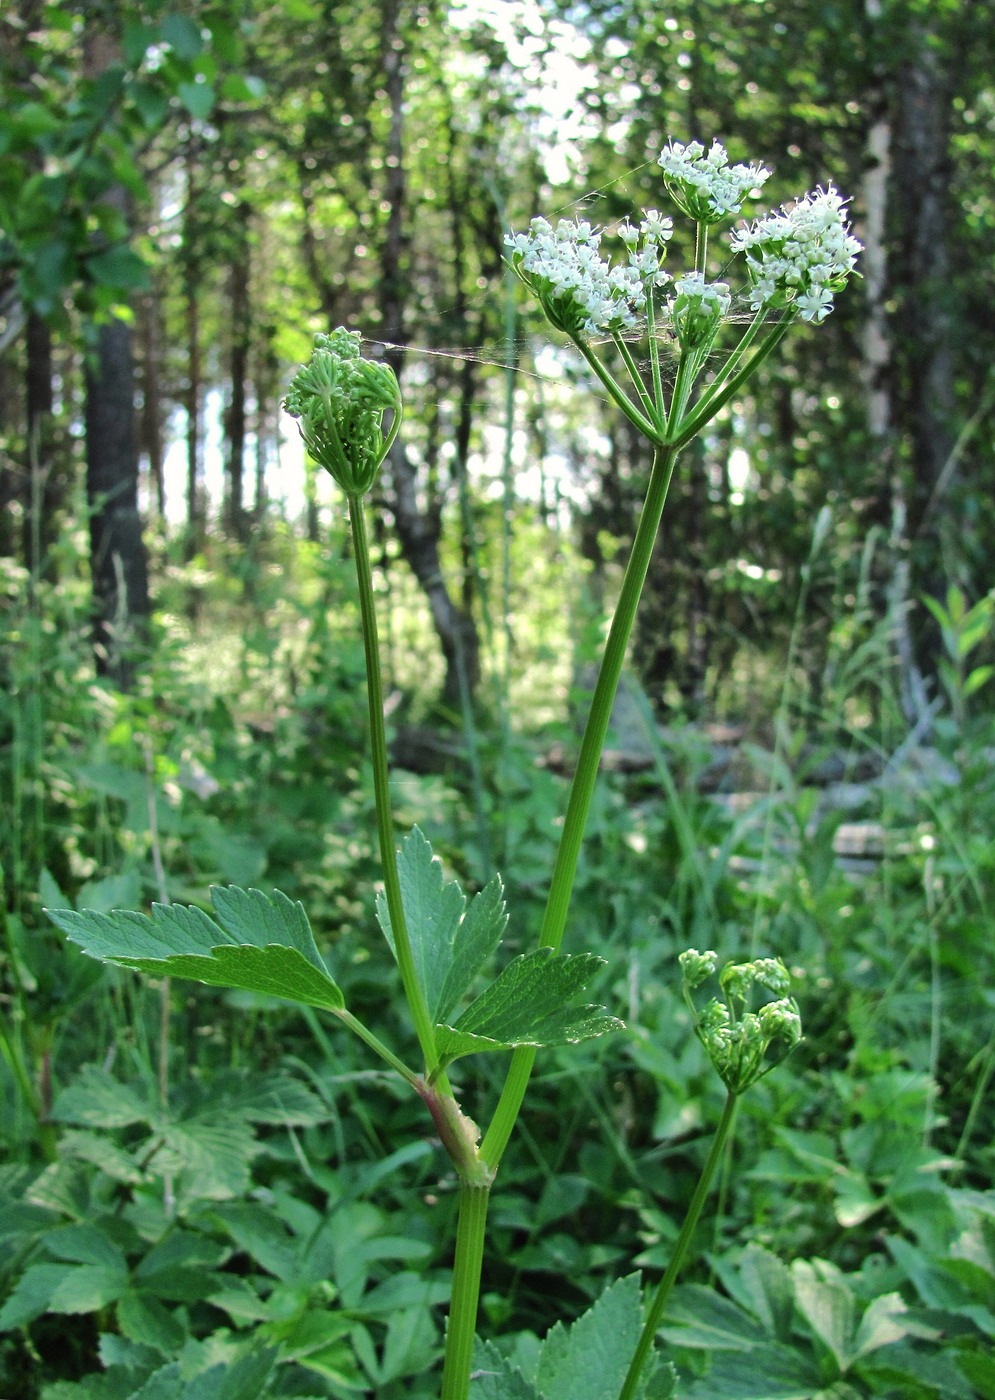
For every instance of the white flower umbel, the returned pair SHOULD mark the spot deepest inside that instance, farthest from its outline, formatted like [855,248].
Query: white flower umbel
[704,184]
[579,290]
[799,257]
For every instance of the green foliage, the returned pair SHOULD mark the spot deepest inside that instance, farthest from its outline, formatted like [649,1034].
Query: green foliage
[585,1361]
[260,943]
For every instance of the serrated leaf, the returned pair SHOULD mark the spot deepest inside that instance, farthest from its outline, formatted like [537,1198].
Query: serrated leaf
[885,1321]
[218,1154]
[476,941]
[31,1296]
[261,944]
[432,912]
[494,1378]
[249,916]
[589,1360]
[99,1150]
[768,1283]
[99,1101]
[144,1320]
[87,1287]
[529,1004]
[84,1244]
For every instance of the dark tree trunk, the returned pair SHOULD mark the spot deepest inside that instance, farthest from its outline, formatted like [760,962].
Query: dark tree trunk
[44,491]
[117,550]
[923,178]
[239,371]
[151,422]
[419,531]
[196,505]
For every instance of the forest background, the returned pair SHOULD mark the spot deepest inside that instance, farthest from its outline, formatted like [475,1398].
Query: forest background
[187,193]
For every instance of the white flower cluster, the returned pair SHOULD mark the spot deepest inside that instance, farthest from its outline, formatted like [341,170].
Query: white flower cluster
[800,256]
[580,291]
[704,184]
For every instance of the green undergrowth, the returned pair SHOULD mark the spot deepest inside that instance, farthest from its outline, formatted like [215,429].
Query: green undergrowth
[202,1192]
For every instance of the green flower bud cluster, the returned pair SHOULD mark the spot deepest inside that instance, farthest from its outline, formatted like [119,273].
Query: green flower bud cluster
[743,1045]
[340,400]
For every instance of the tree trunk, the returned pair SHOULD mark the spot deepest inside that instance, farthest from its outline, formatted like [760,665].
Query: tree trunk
[117,550]
[45,491]
[118,562]
[419,531]
[151,421]
[196,505]
[239,371]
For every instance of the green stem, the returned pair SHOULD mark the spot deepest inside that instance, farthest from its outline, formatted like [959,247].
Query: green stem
[701,247]
[470,1228]
[376,1045]
[710,402]
[381,789]
[582,789]
[645,425]
[637,379]
[673,1268]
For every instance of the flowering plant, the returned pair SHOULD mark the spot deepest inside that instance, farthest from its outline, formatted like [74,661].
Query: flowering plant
[796,261]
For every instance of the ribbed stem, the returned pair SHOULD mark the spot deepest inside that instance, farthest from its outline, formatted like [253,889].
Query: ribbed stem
[470,1229]
[582,790]
[666,1284]
[381,788]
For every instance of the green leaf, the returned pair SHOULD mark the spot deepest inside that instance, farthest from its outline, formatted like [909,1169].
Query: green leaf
[242,87]
[772,1372]
[197,98]
[589,1360]
[145,1320]
[264,945]
[88,1287]
[884,1322]
[827,1305]
[494,1378]
[99,1101]
[32,1295]
[768,1283]
[448,947]
[118,268]
[707,1320]
[432,912]
[182,35]
[103,1153]
[84,1244]
[529,1003]
[151,102]
[476,941]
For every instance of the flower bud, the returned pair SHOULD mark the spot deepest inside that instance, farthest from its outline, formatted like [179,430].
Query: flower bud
[339,400]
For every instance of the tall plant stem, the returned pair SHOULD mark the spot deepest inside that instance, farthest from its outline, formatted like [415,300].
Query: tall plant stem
[470,1230]
[582,790]
[676,1263]
[381,791]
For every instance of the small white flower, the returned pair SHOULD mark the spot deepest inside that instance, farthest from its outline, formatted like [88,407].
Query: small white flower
[655,228]
[704,185]
[800,256]
[578,288]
